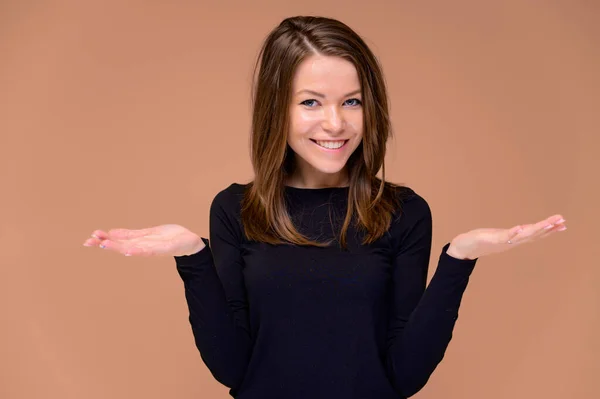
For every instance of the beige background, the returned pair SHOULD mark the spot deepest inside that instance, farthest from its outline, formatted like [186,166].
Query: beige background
[137,114]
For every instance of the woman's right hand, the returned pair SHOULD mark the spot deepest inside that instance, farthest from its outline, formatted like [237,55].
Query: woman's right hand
[167,240]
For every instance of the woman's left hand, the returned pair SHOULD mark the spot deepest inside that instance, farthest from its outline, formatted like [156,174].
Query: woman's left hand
[479,242]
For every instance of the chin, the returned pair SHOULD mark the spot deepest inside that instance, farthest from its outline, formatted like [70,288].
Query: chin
[329,169]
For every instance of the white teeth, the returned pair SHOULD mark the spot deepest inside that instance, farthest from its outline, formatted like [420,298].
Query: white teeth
[333,145]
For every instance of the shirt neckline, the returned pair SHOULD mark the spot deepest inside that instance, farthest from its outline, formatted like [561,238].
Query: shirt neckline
[308,189]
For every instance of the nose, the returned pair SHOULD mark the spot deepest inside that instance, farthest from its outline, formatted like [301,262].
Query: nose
[333,120]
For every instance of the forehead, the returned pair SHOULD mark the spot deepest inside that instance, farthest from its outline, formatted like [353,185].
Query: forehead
[326,73]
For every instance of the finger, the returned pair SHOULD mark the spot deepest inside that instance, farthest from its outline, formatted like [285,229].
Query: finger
[94,241]
[100,234]
[120,247]
[116,234]
[135,247]
[555,219]
[513,234]
[531,230]
[524,233]
[549,223]
[557,228]
[127,234]
[91,242]
[547,226]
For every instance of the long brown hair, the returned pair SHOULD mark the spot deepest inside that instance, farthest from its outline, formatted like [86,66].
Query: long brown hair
[371,201]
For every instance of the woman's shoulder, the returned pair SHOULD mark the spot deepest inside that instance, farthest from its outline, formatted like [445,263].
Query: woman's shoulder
[230,196]
[233,190]
[411,204]
[405,194]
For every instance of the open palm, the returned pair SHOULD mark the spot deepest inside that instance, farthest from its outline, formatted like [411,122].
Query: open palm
[485,241]
[167,240]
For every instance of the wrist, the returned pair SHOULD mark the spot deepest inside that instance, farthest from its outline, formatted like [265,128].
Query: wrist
[456,253]
[196,248]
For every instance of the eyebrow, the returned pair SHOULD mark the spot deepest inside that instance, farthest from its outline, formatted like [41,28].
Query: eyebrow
[316,93]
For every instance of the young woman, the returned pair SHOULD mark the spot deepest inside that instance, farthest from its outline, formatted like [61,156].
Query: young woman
[313,283]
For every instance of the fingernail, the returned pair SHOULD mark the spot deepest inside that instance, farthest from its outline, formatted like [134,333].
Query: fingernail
[95,236]
[549,226]
[562,228]
[87,245]
[560,221]
[127,254]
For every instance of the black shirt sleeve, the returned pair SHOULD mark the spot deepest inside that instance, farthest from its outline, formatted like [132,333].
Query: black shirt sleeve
[422,320]
[218,308]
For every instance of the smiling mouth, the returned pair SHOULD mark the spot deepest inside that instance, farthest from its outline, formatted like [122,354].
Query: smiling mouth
[331,144]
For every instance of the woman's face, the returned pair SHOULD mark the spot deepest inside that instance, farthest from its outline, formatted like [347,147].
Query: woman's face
[326,120]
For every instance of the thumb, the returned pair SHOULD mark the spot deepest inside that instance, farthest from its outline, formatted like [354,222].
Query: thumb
[513,233]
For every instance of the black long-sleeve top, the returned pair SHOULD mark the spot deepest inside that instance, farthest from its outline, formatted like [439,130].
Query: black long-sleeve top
[298,322]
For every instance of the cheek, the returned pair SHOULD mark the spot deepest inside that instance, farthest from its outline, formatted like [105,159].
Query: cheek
[303,123]
[355,124]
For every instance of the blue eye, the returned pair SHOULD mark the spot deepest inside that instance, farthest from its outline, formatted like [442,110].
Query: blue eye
[306,102]
[353,102]
[356,102]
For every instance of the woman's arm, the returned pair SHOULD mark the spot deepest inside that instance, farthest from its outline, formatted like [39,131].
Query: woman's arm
[216,296]
[422,320]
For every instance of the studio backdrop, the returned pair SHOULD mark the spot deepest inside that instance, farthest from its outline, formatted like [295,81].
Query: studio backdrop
[135,114]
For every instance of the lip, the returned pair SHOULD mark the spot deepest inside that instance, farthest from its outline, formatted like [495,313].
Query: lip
[331,149]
